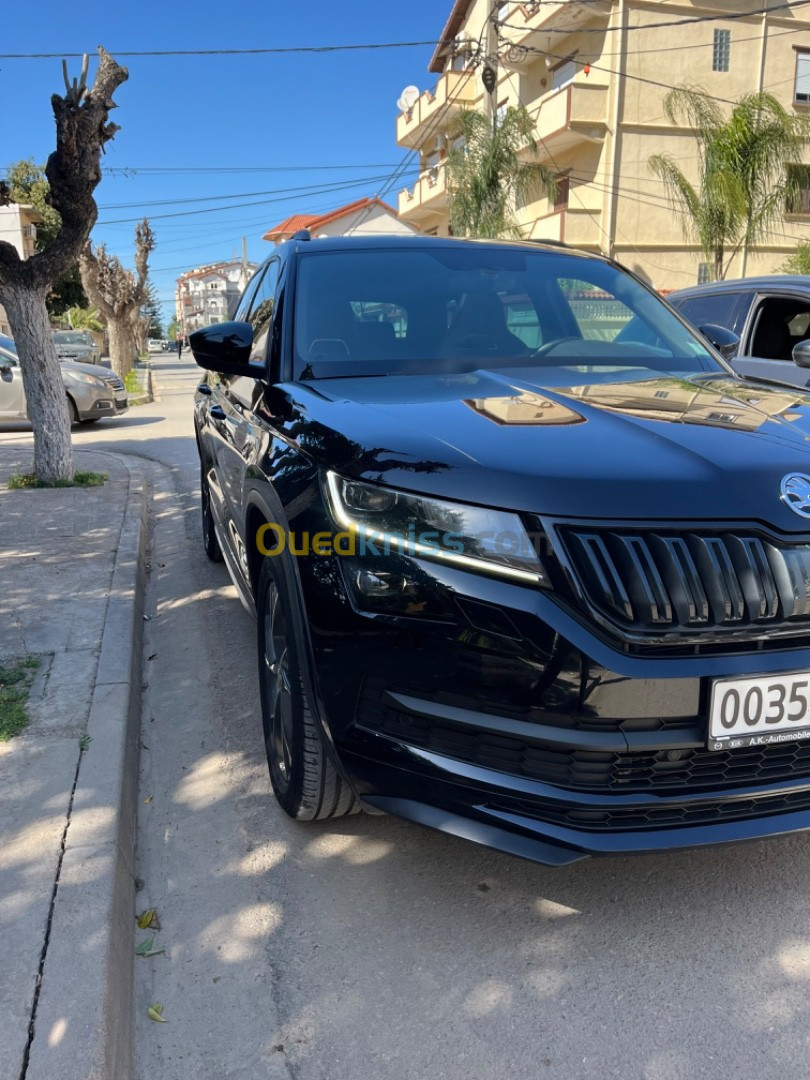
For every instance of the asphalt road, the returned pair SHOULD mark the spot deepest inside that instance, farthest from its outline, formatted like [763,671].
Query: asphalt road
[372,949]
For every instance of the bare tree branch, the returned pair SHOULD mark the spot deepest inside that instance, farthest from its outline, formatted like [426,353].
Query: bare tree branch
[73,172]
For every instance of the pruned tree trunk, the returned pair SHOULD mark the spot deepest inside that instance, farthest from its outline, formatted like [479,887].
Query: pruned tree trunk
[43,385]
[73,172]
[119,294]
[122,346]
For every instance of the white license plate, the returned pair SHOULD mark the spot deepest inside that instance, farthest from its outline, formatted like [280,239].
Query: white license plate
[759,712]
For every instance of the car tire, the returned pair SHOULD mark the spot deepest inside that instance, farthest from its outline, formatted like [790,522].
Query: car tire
[73,412]
[305,781]
[210,542]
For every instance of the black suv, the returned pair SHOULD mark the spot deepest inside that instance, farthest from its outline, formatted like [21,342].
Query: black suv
[530,564]
[769,315]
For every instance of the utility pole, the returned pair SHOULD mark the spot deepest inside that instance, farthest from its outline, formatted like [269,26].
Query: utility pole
[489,75]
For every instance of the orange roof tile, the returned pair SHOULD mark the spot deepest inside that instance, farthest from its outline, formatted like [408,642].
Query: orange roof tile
[313,222]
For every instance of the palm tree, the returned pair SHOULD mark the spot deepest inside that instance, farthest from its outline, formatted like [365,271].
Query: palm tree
[486,175]
[745,180]
[83,318]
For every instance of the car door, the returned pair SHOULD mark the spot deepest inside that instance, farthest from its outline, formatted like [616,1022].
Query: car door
[212,431]
[12,396]
[231,414]
[777,321]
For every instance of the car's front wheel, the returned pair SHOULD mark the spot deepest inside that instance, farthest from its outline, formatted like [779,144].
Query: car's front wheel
[73,412]
[304,778]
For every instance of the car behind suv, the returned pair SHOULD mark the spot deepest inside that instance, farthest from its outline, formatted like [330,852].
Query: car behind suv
[770,315]
[529,563]
[92,392]
[76,345]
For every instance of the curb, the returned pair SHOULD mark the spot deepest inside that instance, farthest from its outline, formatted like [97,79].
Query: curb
[144,368]
[84,1022]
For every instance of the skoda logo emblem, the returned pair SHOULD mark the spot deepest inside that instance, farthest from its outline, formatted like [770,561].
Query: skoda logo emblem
[796,493]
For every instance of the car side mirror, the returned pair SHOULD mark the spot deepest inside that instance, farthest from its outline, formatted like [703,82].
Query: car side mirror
[801,354]
[5,368]
[725,341]
[225,348]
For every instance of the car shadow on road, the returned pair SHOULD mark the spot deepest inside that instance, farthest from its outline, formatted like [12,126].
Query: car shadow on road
[393,951]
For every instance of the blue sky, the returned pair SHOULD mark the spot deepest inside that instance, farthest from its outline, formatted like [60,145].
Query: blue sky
[223,125]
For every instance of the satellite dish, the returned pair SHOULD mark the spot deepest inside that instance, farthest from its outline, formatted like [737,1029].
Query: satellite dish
[408,98]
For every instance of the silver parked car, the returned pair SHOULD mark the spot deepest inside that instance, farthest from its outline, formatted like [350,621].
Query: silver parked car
[76,345]
[92,392]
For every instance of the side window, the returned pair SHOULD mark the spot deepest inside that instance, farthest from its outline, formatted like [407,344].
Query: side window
[240,315]
[720,308]
[781,322]
[260,313]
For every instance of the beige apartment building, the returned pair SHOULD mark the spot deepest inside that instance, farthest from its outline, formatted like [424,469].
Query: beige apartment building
[593,75]
[18,227]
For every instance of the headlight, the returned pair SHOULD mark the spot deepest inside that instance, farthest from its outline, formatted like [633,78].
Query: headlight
[91,380]
[473,537]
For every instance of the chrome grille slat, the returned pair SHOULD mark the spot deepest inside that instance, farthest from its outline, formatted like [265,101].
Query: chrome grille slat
[660,582]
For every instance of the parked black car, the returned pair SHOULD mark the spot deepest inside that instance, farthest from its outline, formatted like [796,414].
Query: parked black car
[519,573]
[770,315]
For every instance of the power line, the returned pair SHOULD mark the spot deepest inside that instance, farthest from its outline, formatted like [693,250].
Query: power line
[345,185]
[277,51]
[729,17]
[216,198]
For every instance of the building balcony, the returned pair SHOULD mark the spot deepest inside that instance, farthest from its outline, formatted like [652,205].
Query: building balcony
[427,198]
[526,23]
[434,110]
[568,118]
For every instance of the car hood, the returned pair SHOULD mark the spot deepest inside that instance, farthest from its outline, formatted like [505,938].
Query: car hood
[614,445]
[87,369]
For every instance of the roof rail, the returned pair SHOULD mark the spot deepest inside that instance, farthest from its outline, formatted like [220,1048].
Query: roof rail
[302,234]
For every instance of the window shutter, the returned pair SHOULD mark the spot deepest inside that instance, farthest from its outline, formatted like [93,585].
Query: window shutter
[802,77]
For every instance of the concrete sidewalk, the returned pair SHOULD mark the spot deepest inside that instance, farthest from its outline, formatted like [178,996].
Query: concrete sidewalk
[72,566]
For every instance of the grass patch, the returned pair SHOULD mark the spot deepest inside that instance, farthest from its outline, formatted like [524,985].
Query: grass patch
[15,682]
[131,382]
[80,479]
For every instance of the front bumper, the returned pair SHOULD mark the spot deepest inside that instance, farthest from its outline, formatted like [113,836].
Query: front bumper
[493,713]
[94,406]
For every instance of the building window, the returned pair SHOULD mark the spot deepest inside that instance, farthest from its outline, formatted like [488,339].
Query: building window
[798,199]
[500,113]
[563,184]
[721,53]
[802,92]
[563,74]
[704,275]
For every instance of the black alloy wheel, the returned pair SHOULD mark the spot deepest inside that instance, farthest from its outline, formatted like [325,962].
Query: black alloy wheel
[305,780]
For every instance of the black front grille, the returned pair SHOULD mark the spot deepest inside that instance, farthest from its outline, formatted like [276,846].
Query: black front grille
[661,584]
[113,381]
[662,772]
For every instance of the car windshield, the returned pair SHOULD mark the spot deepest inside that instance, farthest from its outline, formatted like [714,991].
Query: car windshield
[456,308]
[70,337]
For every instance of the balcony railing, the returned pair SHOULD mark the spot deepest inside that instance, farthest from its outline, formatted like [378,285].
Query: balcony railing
[427,197]
[524,21]
[434,110]
[569,117]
